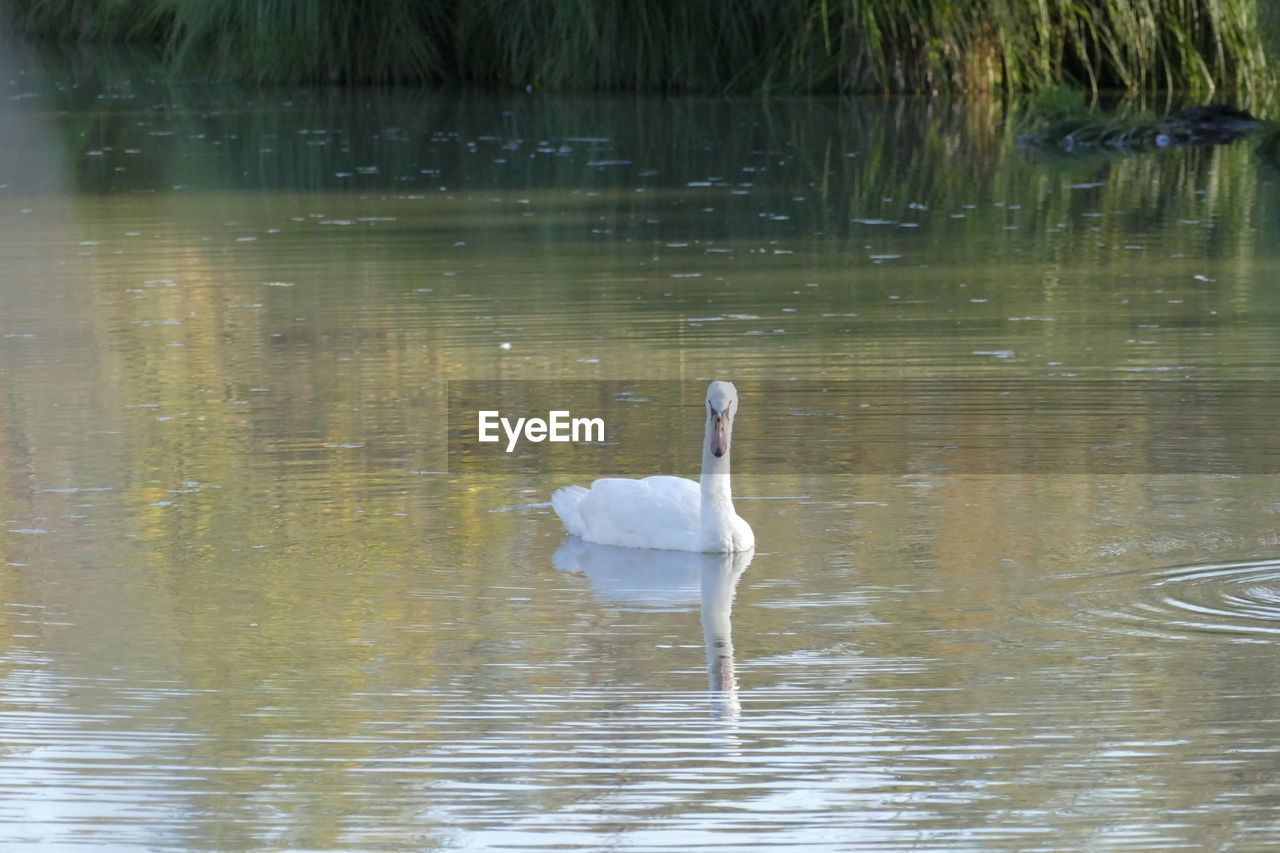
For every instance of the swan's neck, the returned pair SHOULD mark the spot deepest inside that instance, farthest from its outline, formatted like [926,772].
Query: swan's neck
[717,495]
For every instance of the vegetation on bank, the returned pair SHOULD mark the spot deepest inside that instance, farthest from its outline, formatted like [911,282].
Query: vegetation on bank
[1063,119]
[782,46]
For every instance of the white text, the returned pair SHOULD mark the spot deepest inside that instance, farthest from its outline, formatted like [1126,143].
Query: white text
[559,426]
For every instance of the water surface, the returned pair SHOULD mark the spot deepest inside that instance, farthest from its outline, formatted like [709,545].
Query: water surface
[243,604]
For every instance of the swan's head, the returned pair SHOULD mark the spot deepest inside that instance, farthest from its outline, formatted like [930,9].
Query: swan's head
[722,406]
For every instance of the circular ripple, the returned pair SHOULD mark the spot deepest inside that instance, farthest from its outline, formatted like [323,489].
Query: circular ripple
[1240,599]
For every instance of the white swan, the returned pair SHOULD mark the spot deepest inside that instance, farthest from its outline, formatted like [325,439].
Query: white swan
[669,513]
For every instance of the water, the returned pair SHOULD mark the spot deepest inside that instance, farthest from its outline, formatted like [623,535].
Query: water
[242,605]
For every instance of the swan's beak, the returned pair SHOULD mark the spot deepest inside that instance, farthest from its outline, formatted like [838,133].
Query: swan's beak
[719,435]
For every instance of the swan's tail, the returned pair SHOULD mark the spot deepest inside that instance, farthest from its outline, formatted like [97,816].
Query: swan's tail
[565,502]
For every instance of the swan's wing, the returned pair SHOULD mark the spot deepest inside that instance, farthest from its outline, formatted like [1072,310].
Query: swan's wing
[566,503]
[656,512]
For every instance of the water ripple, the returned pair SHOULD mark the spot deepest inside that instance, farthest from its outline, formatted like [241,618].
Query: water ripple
[1237,599]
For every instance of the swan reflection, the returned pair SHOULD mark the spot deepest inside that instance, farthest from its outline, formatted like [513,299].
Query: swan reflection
[674,580]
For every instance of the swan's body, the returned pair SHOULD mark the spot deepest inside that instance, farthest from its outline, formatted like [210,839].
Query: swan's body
[669,513]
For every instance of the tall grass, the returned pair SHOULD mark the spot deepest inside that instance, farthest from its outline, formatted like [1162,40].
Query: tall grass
[691,45]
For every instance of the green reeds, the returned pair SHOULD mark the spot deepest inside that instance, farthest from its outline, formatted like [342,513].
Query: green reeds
[675,45]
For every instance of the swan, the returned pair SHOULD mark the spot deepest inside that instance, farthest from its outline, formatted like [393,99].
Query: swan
[667,513]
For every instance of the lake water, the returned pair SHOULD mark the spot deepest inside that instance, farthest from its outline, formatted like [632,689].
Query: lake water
[245,604]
